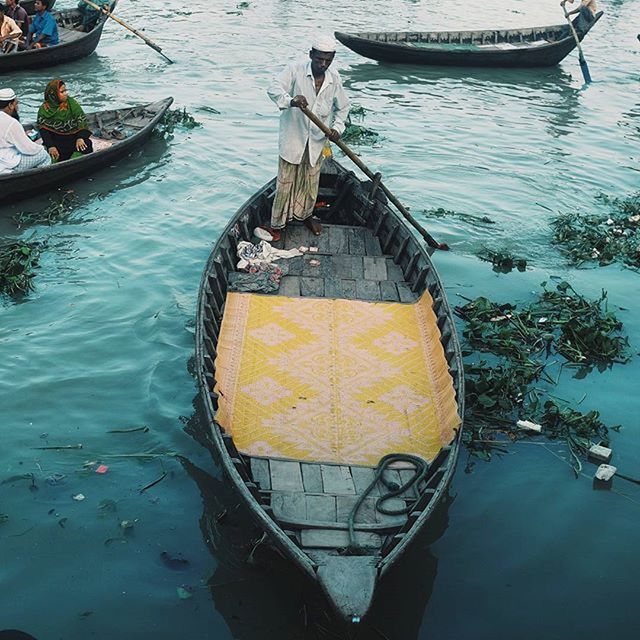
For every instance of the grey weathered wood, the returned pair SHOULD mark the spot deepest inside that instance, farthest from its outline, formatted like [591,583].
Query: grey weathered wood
[388,291]
[348,289]
[321,508]
[321,241]
[372,244]
[285,475]
[313,287]
[395,504]
[289,505]
[366,512]
[338,240]
[394,272]
[337,480]
[405,476]
[367,290]
[344,266]
[311,477]
[362,478]
[290,286]
[375,268]
[320,270]
[260,473]
[293,266]
[336,539]
[296,236]
[405,293]
[333,287]
[356,242]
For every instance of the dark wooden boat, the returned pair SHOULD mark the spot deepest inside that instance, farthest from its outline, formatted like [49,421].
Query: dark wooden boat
[533,47]
[29,5]
[73,44]
[117,132]
[366,252]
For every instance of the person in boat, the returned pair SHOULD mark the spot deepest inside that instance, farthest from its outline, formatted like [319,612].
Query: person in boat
[90,15]
[313,84]
[14,11]
[62,124]
[17,151]
[10,33]
[43,31]
[587,11]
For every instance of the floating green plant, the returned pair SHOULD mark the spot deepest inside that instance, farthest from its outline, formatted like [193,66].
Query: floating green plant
[178,118]
[503,261]
[602,238]
[356,133]
[440,212]
[17,263]
[58,209]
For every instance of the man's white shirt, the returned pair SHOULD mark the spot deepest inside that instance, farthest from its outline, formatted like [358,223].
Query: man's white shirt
[14,143]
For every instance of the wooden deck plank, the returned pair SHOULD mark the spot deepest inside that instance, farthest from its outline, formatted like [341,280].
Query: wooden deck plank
[367,290]
[362,478]
[285,475]
[348,289]
[338,240]
[289,286]
[289,505]
[404,292]
[293,266]
[321,241]
[342,266]
[371,244]
[297,236]
[321,508]
[392,503]
[394,272]
[311,477]
[356,242]
[332,539]
[366,512]
[388,291]
[375,268]
[337,479]
[316,266]
[313,287]
[405,476]
[260,473]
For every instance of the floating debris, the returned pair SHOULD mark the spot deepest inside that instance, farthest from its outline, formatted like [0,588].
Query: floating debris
[58,209]
[174,562]
[356,133]
[603,238]
[177,118]
[144,429]
[466,217]
[502,261]
[79,497]
[185,592]
[17,263]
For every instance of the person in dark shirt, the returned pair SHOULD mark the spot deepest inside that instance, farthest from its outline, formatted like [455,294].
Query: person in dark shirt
[14,11]
[43,31]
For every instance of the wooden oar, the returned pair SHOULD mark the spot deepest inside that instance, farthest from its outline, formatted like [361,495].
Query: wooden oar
[151,43]
[583,62]
[429,239]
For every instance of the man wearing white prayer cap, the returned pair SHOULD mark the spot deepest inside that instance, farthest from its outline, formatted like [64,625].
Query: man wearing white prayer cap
[17,152]
[312,84]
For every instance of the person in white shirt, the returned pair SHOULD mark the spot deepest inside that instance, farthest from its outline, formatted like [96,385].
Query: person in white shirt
[587,11]
[17,152]
[307,83]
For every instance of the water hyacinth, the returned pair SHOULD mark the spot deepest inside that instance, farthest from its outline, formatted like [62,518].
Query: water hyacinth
[17,263]
[177,118]
[611,236]
[356,133]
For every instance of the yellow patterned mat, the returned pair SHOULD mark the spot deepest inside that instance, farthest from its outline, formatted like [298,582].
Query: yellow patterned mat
[343,381]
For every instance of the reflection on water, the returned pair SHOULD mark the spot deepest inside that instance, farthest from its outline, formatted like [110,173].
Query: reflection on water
[262,595]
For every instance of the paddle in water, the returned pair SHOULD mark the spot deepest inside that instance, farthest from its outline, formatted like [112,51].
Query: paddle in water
[108,13]
[581,58]
[429,239]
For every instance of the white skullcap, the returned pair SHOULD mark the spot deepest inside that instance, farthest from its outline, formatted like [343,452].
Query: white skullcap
[7,95]
[324,43]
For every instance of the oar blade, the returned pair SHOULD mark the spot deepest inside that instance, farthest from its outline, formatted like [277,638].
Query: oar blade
[585,70]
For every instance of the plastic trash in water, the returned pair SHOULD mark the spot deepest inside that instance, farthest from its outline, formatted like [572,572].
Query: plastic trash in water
[102,468]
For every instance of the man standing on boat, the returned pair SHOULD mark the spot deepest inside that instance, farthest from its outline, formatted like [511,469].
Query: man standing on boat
[17,152]
[587,11]
[308,83]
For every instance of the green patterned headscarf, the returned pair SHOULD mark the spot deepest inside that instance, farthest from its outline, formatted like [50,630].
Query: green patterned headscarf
[60,117]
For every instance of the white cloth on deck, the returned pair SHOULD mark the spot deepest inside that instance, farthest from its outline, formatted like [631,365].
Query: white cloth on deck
[331,105]
[252,255]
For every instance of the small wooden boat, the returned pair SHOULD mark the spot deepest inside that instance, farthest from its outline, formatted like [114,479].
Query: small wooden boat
[533,47]
[313,393]
[29,6]
[116,133]
[73,44]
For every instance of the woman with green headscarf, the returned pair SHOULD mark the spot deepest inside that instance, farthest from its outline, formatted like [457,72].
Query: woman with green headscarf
[63,125]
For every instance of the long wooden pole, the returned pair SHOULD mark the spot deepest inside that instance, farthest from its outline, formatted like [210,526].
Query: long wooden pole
[583,63]
[108,13]
[429,239]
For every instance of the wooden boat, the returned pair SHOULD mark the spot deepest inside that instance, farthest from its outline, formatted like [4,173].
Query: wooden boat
[117,132]
[29,5]
[73,44]
[262,363]
[533,47]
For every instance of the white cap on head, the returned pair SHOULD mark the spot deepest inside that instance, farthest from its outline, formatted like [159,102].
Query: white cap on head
[7,94]
[324,43]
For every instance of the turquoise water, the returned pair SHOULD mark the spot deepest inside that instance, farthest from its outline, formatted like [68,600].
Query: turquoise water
[106,339]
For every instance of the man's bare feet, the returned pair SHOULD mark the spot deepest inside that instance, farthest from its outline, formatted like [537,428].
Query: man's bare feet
[313,224]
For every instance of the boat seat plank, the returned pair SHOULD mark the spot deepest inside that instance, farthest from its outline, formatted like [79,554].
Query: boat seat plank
[285,475]
[394,272]
[366,512]
[337,539]
[337,479]
[389,291]
[312,287]
[311,477]
[367,290]
[405,293]
[321,508]
[362,478]
[371,244]
[375,268]
[260,473]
